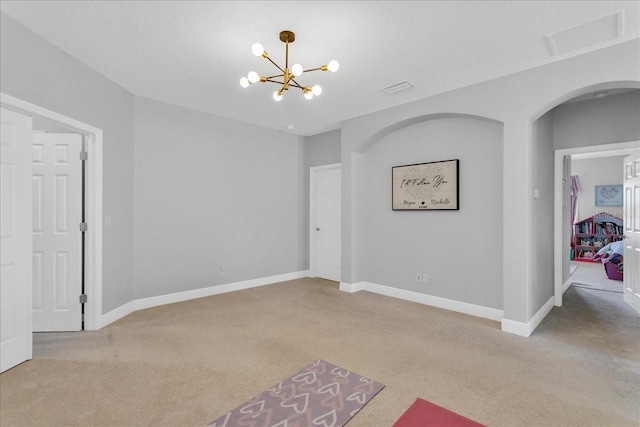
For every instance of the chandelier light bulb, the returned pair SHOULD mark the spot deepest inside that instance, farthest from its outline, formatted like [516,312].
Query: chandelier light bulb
[257,49]
[296,70]
[308,95]
[244,82]
[316,90]
[253,77]
[277,95]
[333,66]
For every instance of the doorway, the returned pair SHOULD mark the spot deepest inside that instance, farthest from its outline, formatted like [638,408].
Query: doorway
[561,219]
[93,137]
[325,222]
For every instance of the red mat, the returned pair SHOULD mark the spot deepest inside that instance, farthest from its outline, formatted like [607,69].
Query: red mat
[427,414]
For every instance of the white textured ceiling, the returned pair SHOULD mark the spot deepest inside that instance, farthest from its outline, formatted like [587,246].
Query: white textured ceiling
[193,53]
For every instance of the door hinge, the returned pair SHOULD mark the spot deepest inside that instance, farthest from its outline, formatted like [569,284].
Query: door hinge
[84,156]
[83,299]
[83,226]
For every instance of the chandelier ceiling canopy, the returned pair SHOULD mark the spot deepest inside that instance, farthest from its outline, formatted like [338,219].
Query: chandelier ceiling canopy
[287,77]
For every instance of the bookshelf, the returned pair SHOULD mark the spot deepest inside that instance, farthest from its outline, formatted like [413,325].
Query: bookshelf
[591,234]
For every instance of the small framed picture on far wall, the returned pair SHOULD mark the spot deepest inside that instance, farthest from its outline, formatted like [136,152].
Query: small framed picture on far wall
[609,195]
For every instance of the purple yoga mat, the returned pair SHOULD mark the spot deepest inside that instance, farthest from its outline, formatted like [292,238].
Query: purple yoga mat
[320,395]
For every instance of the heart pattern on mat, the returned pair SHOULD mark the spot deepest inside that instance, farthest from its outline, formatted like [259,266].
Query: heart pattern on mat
[320,395]
[326,420]
[332,388]
[307,377]
[299,403]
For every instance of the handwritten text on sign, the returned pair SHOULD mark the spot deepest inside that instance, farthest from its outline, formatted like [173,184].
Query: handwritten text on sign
[426,186]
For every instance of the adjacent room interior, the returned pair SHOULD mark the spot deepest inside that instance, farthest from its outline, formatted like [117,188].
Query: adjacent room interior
[183,236]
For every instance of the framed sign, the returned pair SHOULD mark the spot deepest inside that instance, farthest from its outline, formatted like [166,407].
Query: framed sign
[609,195]
[425,186]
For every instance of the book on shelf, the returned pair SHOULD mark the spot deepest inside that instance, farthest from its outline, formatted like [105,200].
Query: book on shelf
[595,232]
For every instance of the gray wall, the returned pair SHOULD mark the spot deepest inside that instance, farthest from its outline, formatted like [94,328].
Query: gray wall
[597,171]
[517,101]
[597,121]
[319,150]
[210,191]
[461,251]
[323,149]
[543,233]
[36,71]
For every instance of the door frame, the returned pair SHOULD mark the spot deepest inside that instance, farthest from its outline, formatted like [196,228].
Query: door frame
[559,286]
[92,201]
[312,213]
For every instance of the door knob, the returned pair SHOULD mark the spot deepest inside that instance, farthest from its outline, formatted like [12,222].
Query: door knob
[317,228]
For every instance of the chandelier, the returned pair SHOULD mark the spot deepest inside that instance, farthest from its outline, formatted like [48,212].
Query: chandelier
[287,76]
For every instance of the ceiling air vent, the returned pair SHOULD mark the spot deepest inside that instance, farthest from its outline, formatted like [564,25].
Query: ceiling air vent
[397,88]
[588,34]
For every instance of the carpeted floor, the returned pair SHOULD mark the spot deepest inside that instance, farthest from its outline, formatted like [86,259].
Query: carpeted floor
[186,364]
[592,275]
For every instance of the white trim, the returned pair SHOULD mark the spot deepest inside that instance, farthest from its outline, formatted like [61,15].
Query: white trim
[323,167]
[516,328]
[93,202]
[557,227]
[447,304]
[351,287]
[526,329]
[116,314]
[33,110]
[93,235]
[559,286]
[312,213]
[143,303]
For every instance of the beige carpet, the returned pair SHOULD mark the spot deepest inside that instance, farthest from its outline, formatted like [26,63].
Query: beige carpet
[186,364]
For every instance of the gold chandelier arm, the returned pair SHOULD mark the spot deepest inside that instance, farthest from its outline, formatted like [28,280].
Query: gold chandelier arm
[323,68]
[277,66]
[294,83]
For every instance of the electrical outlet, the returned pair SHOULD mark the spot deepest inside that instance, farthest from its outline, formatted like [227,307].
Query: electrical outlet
[418,277]
[221,268]
[425,278]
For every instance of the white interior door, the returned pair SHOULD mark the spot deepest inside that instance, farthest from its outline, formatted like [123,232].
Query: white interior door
[631,275]
[57,239]
[327,227]
[15,252]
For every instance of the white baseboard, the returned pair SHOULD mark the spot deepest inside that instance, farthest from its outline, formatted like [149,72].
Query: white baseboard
[516,328]
[526,329]
[351,287]
[511,326]
[116,314]
[143,303]
[447,304]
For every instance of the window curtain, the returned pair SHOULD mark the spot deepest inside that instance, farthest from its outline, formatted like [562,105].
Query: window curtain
[575,189]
